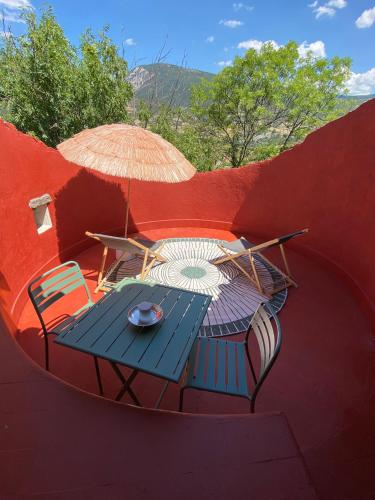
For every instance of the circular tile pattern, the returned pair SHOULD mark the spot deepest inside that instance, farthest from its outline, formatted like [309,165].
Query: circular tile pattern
[234,298]
[193,274]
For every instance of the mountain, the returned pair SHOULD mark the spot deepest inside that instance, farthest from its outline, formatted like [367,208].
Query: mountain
[165,83]
[347,103]
[356,100]
[359,98]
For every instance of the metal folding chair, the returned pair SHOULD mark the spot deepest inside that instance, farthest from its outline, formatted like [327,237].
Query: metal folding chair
[223,366]
[49,288]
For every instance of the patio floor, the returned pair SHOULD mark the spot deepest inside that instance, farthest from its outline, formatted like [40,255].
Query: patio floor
[322,380]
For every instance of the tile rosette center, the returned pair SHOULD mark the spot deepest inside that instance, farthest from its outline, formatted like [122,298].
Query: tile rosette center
[193,274]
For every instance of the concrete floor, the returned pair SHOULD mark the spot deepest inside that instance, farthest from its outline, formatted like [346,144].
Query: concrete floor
[322,380]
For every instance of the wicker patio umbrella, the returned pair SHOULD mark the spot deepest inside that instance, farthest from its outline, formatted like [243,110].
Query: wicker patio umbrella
[127,151]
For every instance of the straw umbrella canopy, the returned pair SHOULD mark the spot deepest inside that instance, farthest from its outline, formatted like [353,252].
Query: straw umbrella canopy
[127,151]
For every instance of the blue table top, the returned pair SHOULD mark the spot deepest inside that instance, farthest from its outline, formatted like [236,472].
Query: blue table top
[161,350]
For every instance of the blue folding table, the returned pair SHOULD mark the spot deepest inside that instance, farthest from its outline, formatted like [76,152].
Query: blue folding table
[161,350]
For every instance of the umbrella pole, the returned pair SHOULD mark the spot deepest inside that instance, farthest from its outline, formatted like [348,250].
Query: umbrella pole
[127,210]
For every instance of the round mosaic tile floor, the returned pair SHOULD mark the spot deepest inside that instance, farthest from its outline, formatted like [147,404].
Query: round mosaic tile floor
[190,265]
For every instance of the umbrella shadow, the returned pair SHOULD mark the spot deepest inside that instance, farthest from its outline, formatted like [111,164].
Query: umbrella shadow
[4,289]
[5,300]
[88,202]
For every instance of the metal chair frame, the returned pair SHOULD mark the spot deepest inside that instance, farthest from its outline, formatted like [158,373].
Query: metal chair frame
[269,343]
[47,289]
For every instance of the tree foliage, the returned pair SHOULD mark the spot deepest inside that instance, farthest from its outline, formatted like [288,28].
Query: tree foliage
[103,92]
[273,97]
[53,90]
[178,126]
[264,103]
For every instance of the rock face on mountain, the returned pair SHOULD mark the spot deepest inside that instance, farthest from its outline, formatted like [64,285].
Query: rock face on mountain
[139,77]
[165,83]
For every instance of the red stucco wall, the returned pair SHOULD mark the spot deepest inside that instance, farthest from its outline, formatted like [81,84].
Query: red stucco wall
[326,184]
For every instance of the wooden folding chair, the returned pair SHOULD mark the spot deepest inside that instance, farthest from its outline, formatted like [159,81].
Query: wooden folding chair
[242,248]
[146,248]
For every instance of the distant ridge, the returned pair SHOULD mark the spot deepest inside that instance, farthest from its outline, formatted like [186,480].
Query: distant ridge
[364,97]
[165,83]
[169,83]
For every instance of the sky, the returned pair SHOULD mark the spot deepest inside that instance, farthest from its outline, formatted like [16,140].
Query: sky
[208,34]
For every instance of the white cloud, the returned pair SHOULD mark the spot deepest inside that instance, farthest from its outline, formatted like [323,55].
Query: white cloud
[323,10]
[10,16]
[337,4]
[16,4]
[256,44]
[224,63]
[366,19]
[240,5]
[362,83]
[10,10]
[210,39]
[130,42]
[5,34]
[231,23]
[328,9]
[316,49]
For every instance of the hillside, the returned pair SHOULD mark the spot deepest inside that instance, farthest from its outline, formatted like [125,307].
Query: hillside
[170,83]
[165,82]
[359,98]
[351,102]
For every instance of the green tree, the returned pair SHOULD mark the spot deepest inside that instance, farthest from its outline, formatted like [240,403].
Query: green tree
[271,97]
[144,113]
[102,90]
[53,90]
[179,127]
[164,122]
[202,149]
[37,73]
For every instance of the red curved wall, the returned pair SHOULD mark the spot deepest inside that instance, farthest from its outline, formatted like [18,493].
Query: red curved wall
[326,183]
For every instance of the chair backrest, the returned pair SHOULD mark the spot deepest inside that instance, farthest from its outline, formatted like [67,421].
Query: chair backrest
[55,284]
[113,242]
[278,241]
[287,237]
[268,338]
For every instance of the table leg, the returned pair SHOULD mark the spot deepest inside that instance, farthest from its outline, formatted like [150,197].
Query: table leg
[126,384]
[161,395]
[98,377]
